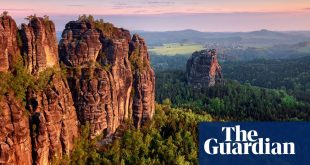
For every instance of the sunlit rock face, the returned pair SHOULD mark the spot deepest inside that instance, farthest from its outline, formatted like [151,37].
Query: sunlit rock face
[109,74]
[43,126]
[15,139]
[39,44]
[108,81]
[8,43]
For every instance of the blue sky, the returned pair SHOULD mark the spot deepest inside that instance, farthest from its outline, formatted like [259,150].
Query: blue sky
[163,15]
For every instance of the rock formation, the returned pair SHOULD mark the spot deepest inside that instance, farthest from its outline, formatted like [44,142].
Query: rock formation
[8,42]
[108,88]
[144,82]
[203,69]
[45,128]
[108,80]
[39,44]
[54,124]
[15,141]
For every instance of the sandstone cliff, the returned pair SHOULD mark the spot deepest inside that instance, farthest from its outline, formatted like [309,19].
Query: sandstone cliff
[144,82]
[15,141]
[107,84]
[108,81]
[8,42]
[39,44]
[44,128]
[203,69]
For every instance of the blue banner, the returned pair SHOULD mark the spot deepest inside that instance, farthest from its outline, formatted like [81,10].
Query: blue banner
[254,143]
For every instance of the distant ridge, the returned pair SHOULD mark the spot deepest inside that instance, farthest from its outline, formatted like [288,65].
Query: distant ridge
[260,37]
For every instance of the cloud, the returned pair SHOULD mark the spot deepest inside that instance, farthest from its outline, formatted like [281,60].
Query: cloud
[161,3]
[306,8]
[15,9]
[139,4]
[122,5]
[75,5]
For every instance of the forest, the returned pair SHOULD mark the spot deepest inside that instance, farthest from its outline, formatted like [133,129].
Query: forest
[232,101]
[172,136]
[291,75]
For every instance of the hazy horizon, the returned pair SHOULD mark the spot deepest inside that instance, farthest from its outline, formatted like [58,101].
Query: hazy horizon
[173,15]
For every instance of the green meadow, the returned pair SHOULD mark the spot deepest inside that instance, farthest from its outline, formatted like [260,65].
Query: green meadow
[175,48]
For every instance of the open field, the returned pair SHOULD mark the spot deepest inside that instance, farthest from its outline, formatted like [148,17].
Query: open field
[176,48]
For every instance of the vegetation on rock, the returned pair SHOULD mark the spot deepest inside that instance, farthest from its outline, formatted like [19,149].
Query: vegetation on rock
[106,28]
[170,138]
[16,81]
[136,60]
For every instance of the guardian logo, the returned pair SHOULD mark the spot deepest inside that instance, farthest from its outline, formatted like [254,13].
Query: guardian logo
[238,142]
[254,143]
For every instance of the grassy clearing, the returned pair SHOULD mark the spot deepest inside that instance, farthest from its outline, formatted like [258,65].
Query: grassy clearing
[176,48]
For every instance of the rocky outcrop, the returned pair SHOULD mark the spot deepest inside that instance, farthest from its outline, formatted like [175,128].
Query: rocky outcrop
[203,69]
[80,44]
[144,82]
[15,141]
[108,88]
[54,123]
[39,44]
[45,128]
[108,81]
[8,42]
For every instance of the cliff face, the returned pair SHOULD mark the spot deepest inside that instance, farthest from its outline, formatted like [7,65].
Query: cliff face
[8,42]
[144,82]
[44,128]
[108,80]
[54,124]
[39,44]
[107,87]
[15,141]
[53,120]
[203,69]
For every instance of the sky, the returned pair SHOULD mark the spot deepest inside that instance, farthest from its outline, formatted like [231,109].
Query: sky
[170,15]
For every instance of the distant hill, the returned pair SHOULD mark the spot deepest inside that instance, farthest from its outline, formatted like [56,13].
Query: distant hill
[184,36]
[259,38]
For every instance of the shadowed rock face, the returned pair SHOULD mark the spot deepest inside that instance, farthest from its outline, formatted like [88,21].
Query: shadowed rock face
[107,89]
[203,69]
